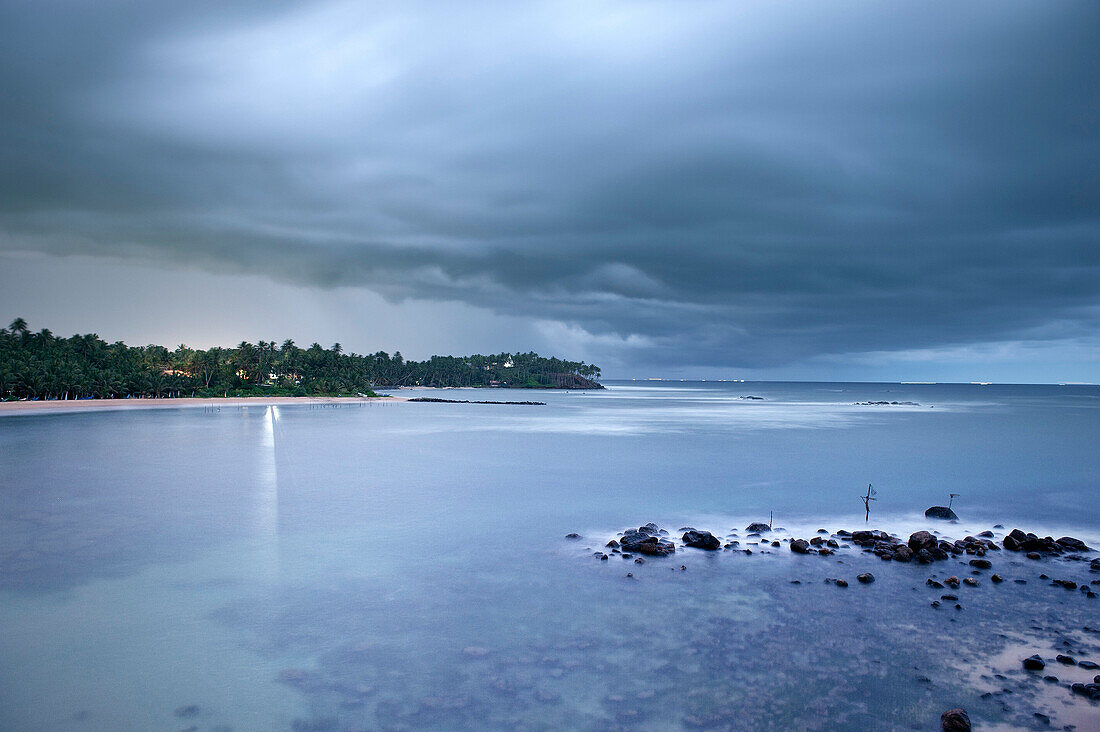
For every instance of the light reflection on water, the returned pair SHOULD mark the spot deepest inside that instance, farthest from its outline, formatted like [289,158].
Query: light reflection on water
[403,565]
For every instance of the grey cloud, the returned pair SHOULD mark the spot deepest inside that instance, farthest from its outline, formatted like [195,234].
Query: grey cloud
[737,184]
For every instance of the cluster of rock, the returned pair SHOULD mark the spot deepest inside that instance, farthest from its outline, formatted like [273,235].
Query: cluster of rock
[1092,691]
[648,539]
[922,546]
[1019,541]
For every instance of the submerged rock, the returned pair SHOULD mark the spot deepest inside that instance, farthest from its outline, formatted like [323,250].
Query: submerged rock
[573,536]
[981,564]
[944,513]
[955,720]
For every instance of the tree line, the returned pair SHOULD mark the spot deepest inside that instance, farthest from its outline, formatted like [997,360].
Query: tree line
[39,365]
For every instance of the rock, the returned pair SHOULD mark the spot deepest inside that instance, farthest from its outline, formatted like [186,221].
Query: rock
[903,554]
[1090,665]
[1092,691]
[986,534]
[1034,555]
[800,546]
[970,582]
[573,536]
[981,563]
[1067,660]
[841,583]
[952,581]
[997,579]
[866,578]
[701,540]
[921,540]
[645,540]
[1034,663]
[1070,543]
[955,720]
[758,527]
[946,514]
[613,544]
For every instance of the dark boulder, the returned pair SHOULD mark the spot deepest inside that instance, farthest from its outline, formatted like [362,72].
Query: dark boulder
[1075,544]
[981,564]
[1034,663]
[572,536]
[921,540]
[903,554]
[941,512]
[866,578]
[955,720]
[800,546]
[756,526]
[701,540]
[1090,665]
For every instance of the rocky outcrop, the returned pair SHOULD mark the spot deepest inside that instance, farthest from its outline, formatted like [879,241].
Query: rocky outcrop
[646,540]
[1020,541]
[941,512]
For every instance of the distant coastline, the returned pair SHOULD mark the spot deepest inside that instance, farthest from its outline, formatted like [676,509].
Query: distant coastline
[41,366]
[67,406]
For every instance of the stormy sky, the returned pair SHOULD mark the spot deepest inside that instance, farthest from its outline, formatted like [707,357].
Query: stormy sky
[848,190]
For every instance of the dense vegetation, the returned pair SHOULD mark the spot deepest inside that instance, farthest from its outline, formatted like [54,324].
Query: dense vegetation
[42,366]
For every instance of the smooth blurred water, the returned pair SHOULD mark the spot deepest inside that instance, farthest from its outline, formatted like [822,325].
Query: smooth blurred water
[403,565]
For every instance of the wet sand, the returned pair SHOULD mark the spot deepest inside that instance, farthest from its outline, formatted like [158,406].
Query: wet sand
[60,406]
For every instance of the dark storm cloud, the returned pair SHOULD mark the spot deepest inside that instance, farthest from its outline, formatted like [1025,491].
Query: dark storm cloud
[728,183]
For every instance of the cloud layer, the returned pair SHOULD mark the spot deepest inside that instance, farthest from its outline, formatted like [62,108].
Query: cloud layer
[702,183]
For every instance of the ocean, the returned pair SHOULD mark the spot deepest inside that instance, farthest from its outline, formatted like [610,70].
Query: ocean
[406,566]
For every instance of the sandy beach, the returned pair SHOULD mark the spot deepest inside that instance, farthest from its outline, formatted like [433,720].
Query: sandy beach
[57,406]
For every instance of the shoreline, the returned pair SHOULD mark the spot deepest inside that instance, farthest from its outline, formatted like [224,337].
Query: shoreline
[69,406]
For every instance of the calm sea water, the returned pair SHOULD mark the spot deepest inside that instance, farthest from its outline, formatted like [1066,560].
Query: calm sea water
[404,566]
